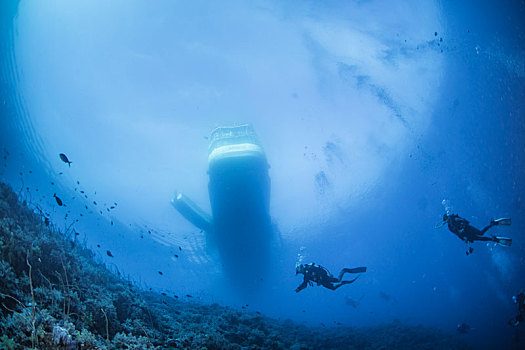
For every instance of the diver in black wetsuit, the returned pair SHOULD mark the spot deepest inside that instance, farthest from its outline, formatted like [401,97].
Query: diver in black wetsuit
[520,300]
[321,276]
[468,233]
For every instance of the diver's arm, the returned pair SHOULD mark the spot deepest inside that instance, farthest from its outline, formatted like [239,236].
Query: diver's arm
[302,286]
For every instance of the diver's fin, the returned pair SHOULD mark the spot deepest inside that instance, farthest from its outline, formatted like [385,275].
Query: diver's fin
[355,270]
[502,221]
[504,241]
[348,282]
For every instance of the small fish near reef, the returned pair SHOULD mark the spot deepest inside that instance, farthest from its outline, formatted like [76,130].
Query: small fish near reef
[58,200]
[64,158]
[109,254]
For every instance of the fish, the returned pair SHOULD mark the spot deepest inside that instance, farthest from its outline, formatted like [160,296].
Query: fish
[176,296]
[180,248]
[189,296]
[163,294]
[175,255]
[81,191]
[46,221]
[63,157]
[463,328]
[94,202]
[160,273]
[77,233]
[58,200]
[98,245]
[109,254]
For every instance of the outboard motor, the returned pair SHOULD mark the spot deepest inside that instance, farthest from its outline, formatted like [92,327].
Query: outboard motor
[239,191]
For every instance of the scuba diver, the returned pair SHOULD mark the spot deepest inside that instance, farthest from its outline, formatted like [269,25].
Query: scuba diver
[468,233]
[520,300]
[321,276]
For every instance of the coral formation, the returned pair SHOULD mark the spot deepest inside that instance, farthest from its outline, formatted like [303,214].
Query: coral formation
[55,295]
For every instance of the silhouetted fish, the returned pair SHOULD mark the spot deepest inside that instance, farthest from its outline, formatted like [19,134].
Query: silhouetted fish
[160,273]
[175,255]
[109,254]
[180,248]
[63,157]
[59,201]
[189,296]
[98,245]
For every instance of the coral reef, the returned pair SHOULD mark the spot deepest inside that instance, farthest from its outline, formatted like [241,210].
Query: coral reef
[55,295]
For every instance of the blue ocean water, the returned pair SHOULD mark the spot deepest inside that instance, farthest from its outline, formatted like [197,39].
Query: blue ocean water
[374,116]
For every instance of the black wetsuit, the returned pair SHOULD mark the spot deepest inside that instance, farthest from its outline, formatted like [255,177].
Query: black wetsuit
[466,232]
[321,276]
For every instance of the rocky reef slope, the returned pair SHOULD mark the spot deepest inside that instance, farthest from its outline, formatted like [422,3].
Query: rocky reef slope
[55,295]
